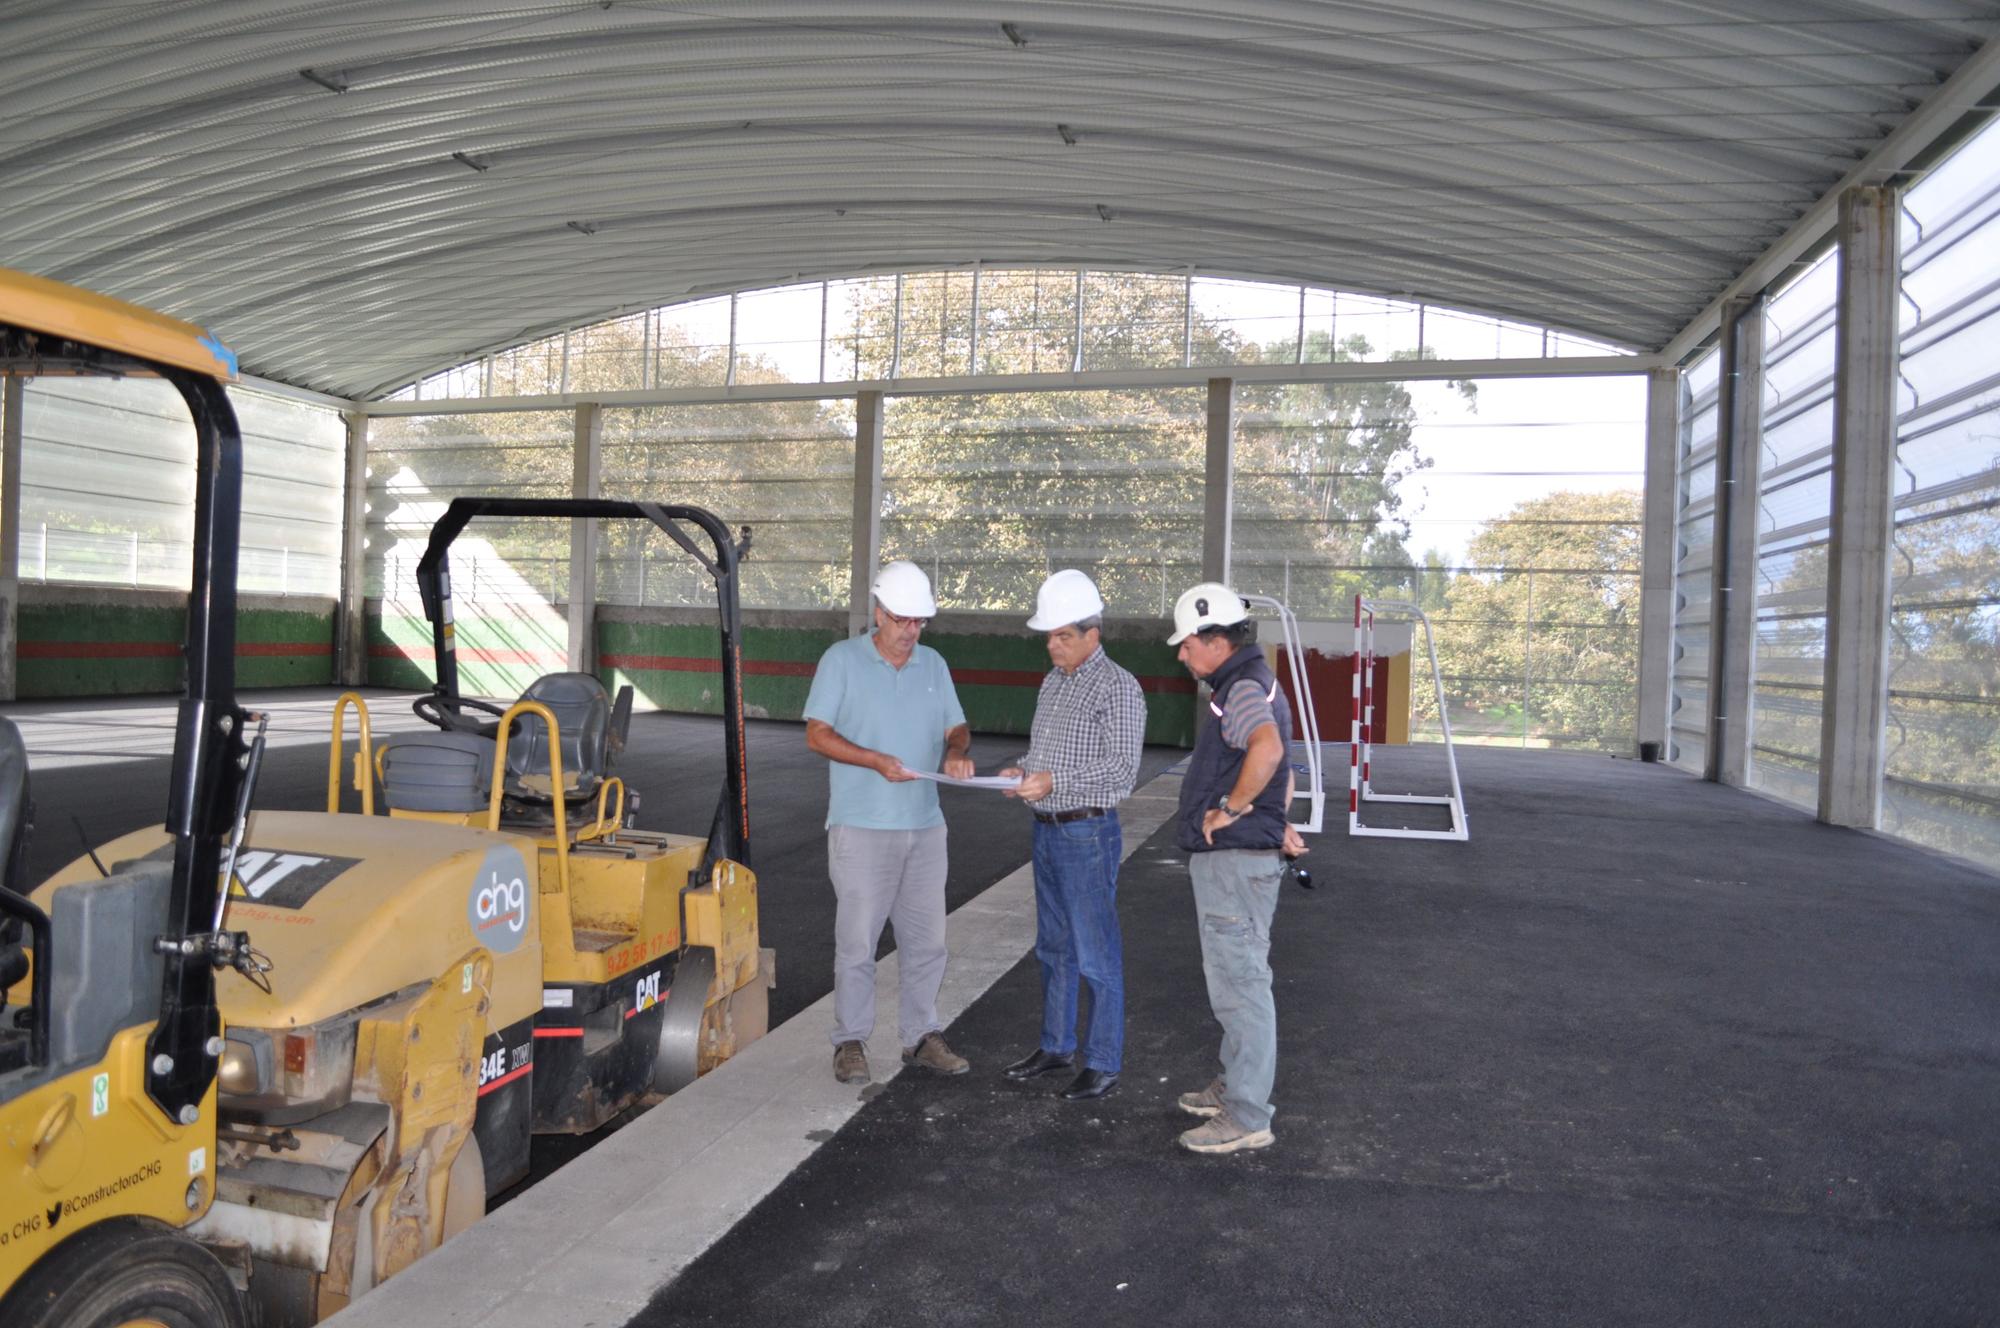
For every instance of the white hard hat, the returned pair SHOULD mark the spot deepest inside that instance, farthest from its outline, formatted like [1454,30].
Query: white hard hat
[904,590]
[1210,604]
[1067,597]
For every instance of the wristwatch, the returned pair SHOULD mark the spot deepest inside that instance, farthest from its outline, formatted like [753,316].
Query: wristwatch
[1222,804]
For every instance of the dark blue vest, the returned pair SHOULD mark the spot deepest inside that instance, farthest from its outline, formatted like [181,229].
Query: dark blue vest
[1213,768]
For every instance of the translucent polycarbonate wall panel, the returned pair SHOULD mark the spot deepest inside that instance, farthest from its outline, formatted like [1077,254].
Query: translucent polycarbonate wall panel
[921,325]
[778,334]
[1368,327]
[1255,323]
[989,493]
[1942,767]
[937,325]
[1794,515]
[1511,520]
[611,356]
[1027,321]
[691,344]
[107,487]
[107,482]
[1133,320]
[535,369]
[417,464]
[860,329]
[784,469]
[1694,561]
[294,473]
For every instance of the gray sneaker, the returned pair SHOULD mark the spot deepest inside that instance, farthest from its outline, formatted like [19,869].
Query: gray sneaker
[932,1054]
[1223,1135]
[1208,1102]
[850,1063]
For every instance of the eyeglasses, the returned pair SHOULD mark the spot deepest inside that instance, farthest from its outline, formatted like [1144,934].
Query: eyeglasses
[900,621]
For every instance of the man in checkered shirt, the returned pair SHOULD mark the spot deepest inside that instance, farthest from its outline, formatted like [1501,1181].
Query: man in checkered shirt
[1083,758]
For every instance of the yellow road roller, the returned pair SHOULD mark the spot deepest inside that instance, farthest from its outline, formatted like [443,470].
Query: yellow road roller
[110,1039]
[481,951]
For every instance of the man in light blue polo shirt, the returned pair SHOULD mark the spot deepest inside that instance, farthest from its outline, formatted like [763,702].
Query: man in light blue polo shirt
[881,706]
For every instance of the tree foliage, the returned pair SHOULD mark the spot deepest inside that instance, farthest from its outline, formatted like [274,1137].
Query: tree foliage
[1540,637]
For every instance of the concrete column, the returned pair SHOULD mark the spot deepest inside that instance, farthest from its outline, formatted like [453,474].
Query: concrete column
[1658,547]
[867,508]
[586,481]
[351,647]
[1855,703]
[12,392]
[1219,481]
[1739,450]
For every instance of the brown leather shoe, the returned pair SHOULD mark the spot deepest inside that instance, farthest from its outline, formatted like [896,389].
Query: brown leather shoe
[932,1054]
[850,1063]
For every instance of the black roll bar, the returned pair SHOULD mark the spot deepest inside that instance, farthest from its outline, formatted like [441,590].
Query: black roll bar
[208,756]
[729,832]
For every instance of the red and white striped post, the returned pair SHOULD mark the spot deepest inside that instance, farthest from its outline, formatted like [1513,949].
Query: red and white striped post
[1354,728]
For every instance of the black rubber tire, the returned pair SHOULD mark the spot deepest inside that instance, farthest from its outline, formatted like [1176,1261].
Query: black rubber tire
[121,1272]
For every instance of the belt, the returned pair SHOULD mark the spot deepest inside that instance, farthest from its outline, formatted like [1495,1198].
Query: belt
[1076,814]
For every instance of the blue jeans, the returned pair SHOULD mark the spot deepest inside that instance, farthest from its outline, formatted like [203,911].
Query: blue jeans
[1236,892]
[1076,936]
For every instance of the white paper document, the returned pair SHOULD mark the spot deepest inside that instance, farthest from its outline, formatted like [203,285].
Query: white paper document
[977,781]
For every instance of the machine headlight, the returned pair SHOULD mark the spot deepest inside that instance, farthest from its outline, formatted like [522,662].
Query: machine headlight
[239,1074]
[284,1076]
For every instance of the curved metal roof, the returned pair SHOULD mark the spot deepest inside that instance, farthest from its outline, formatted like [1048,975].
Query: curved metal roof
[355,193]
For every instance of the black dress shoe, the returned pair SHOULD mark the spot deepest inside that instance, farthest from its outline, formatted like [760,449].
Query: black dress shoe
[1090,1085]
[1041,1063]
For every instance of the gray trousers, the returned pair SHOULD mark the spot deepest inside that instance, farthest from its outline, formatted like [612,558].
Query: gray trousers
[1236,892]
[893,876]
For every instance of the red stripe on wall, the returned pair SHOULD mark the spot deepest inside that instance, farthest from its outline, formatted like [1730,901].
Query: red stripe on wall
[161,649]
[755,668]
[99,649]
[284,647]
[473,655]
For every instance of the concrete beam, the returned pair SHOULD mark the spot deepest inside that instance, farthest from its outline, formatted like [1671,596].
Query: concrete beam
[350,626]
[1739,450]
[13,391]
[1658,547]
[1855,702]
[867,509]
[1219,481]
[586,481]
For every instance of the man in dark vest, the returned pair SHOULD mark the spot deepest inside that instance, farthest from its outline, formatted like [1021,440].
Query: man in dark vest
[1232,822]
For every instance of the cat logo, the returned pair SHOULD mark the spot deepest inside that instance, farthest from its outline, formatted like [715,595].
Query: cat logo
[646,993]
[284,880]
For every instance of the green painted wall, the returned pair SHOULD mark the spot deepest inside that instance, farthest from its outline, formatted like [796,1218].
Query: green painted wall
[88,641]
[501,648]
[668,657]
[666,663]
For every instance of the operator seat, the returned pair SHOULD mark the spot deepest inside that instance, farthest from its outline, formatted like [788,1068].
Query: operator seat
[592,735]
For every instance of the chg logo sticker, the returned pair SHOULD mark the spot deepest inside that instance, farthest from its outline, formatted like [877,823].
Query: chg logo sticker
[501,902]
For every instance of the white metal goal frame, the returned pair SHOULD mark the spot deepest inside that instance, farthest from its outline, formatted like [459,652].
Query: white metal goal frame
[1362,729]
[1305,722]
